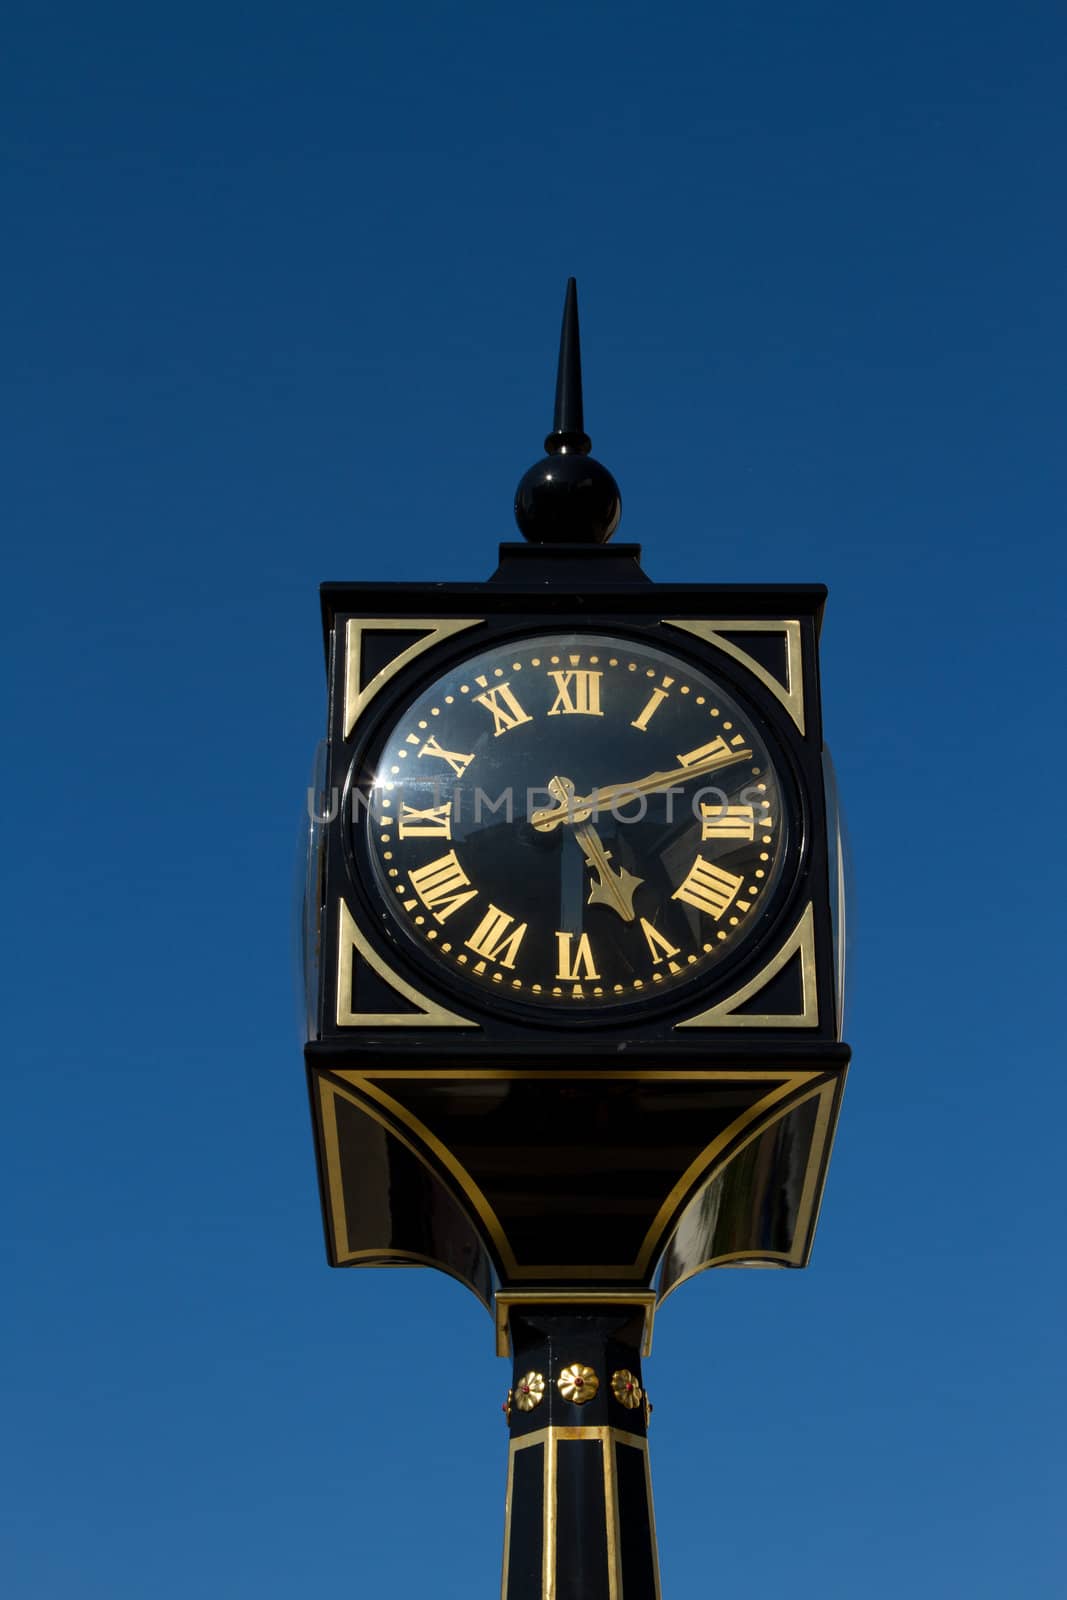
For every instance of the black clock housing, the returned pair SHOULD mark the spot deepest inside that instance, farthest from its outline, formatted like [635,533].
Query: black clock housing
[464,1123]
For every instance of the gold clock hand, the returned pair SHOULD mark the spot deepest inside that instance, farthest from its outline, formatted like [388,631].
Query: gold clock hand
[609,887]
[580,809]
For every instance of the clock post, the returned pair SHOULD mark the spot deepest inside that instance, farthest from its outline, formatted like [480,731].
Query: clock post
[573,935]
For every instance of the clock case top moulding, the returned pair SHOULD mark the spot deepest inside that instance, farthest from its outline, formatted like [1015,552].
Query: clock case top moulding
[526,1155]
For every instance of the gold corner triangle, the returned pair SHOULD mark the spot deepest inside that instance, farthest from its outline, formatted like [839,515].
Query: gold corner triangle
[359,695]
[790,693]
[351,943]
[725,1015]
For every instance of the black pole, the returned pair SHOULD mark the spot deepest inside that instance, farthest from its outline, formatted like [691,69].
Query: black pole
[579,1523]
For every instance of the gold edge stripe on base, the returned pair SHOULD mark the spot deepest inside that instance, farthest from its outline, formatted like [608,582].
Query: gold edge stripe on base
[332,1156]
[389,1257]
[786,1083]
[797,1255]
[822,1141]
[798,1075]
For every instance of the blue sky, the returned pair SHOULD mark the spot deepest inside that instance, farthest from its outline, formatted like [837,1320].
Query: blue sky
[281,289]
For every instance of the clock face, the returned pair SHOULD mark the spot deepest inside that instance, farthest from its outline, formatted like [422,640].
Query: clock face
[576,821]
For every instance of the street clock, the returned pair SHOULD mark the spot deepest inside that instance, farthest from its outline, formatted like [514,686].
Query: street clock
[574,935]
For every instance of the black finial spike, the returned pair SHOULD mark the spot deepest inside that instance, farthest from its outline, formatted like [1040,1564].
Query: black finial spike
[568,498]
[568,417]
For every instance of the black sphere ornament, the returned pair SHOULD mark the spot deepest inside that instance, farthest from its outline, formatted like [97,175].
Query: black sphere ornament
[568,498]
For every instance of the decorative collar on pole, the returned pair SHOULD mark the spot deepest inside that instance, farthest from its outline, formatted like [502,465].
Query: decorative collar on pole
[568,498]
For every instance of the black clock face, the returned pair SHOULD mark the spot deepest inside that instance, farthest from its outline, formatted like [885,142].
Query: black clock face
[577,821]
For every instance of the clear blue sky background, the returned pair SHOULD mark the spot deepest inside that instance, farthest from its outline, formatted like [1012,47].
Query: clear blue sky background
[281,289]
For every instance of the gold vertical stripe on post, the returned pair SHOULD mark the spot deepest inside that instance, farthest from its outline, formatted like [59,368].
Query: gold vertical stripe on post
[548,1535]
[506,1564]
[611,1515]
[652,1522]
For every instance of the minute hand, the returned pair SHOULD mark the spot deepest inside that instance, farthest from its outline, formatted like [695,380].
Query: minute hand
[584,806]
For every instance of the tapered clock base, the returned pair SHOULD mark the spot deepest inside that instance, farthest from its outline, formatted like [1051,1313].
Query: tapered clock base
[579,1522]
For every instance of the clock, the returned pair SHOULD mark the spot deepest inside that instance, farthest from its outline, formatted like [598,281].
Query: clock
[573,823]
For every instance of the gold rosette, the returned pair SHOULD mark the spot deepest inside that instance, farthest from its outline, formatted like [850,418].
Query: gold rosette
[529,1391]
[578,1383]
[626,1389]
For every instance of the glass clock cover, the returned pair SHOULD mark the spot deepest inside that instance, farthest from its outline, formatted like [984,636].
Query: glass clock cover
[576,822]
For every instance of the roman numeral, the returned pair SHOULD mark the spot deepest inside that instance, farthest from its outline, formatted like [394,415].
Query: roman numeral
[577,964]
[708,888]
[434,823]
[718,749]
[656,699]
[440,884]
[578,692]
[459,763]
[658,947]
[727,822]
[503,707]
[492,940]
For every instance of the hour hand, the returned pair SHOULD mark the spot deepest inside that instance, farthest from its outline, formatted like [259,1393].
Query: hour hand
[614,887]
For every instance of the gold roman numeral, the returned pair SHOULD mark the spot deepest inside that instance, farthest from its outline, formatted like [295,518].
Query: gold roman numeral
[655,700]
[459,763]
[492,940]
[659,948]
[503,707]
[708,888]
[433,823]
[707,752]
[440,884]
[727,822]
[576,964]
[578,692]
